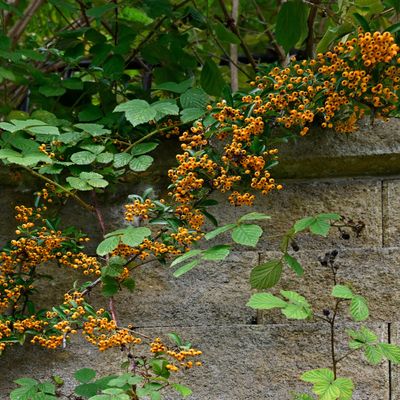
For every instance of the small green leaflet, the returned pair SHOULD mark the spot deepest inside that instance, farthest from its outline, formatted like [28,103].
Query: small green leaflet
[342,292]
[247,234]
[186,256]
[319,225]
[265,301]
[107,245]
[141,163]
[185,268]
[294,264]
[254,216]
[266,275]
[359,308]
[134,236]
[218,231]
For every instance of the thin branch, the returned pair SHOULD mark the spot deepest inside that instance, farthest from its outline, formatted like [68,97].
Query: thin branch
[234,51]
[310,24]
[233,27]
[279,49]
[18,29]
[62,188]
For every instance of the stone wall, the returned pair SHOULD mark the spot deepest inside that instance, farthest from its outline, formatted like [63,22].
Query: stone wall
[248,354]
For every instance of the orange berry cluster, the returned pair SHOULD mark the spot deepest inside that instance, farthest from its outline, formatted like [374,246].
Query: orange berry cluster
[138,209]
[105,334]
[179,356]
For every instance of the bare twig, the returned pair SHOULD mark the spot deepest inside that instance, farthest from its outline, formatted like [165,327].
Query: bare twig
[234,51]
[18,29]
[233,27]
[310,24]
[279,49]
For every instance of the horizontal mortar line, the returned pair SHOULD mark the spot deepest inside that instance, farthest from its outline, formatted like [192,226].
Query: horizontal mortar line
[258,326]
[359,178]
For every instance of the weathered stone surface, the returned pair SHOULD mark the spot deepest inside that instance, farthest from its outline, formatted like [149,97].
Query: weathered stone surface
[374,274]
[395,369]
[240,362]
[372,150]
[355,199]
[211,294]
[391,212]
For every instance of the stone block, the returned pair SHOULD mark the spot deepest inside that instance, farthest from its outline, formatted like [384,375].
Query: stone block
[374,149]
[355,199]
[391,212]
[374,274]
[240,362]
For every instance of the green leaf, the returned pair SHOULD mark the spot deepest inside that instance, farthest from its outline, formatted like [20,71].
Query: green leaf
[107,245]
[362,22]
[216,253]
[303,223]
[143,148]
[114,267]
[291,23]
[165,107]
[137,111]
[320,227]
[175,87]
[110,286]
[105,158]
[373,354]
[121,160]
[185,268]
[390,351]
[129,283]
[318,375]
[175,338]
[84,375]
[265,301]
[346,388]
[211,79]
[299,308]
[87,389]
[135,236]
[124,379]
[97,12]
[194,98]
[294,264]
[191,114]
[93,129]
[359,308]
[51,91]
[218,231]
[26,382]
[247,234]
[83,158]
[159,367]
[267,275]
[253,216]
[184,391]
[225,35]
[78,183]
[186,256]
[141,163]
[361,337]
[342,292]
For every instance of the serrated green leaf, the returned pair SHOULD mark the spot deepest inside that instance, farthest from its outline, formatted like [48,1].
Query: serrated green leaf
[342,292]
[267,275]
[83,158]
[134,236]
[218,231]
[294,264]
[194,98]
[265,301]
[191,114]
[373,354]
[78,183]
[216,253]
[303,224]
[164,108]
[93,129]
[224,34]
[184,391]
[110,286]
[185,268]
[122,159]
[107,245]
[359,308]
[141,163]
[85,375]
[143,148]
[137,111]
[211,79]
[186,256]
[247,234]
[253,216]
[390,351]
